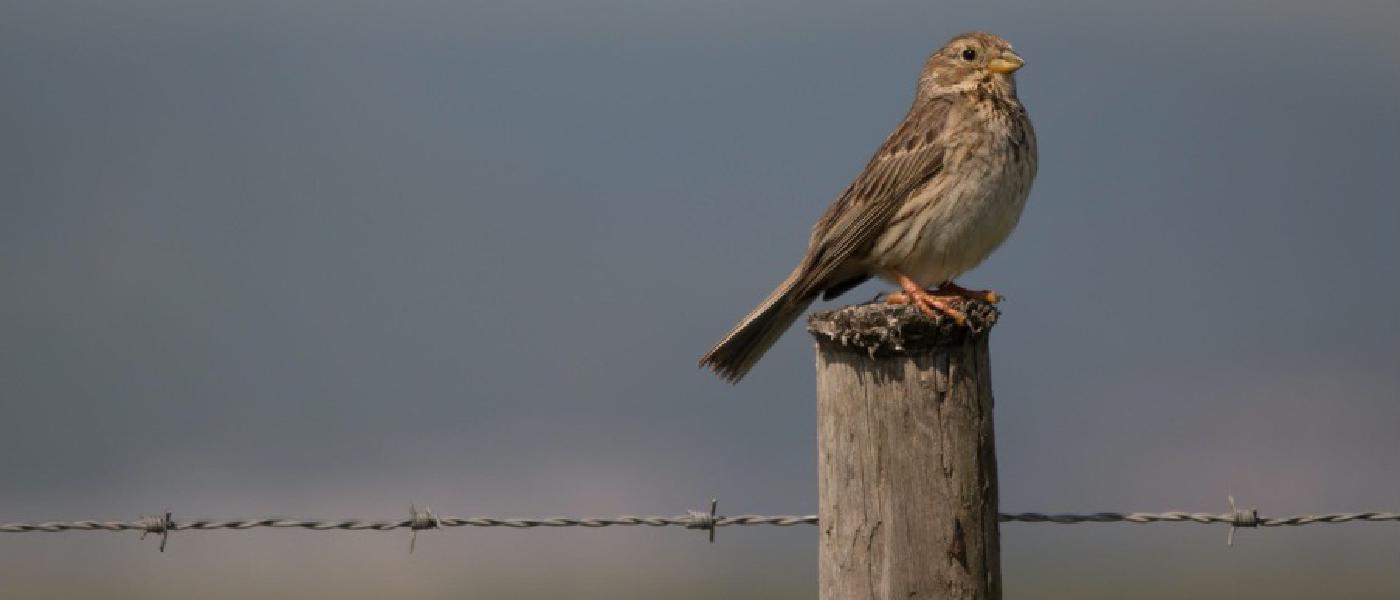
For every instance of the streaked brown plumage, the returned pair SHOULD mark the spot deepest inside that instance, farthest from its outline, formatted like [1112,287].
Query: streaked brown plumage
[942,192]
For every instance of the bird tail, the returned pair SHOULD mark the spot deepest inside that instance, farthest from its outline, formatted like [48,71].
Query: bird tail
[734,355]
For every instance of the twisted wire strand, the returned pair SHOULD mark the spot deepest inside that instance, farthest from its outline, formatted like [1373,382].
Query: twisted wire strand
[1238,518]
[701,521]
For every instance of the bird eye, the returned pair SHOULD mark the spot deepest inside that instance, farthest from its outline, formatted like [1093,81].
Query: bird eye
[969,54]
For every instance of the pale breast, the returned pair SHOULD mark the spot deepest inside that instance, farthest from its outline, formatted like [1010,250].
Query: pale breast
[958,218]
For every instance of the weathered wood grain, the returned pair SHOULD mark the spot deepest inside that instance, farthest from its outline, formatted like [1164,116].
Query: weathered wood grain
[907,458]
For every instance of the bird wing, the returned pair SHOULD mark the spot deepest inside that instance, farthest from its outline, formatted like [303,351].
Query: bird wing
[911,156]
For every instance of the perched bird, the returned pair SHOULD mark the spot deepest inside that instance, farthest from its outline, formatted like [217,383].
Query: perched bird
[942,192]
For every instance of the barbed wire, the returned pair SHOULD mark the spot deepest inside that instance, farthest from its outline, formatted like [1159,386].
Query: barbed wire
[707,521]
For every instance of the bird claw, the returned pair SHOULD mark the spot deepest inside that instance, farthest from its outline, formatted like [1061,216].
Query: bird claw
[930,305]
[952,289]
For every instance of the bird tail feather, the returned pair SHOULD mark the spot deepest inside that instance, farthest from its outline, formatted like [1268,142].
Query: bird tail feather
[737,352]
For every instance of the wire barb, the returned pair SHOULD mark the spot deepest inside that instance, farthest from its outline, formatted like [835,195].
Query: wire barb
[420,520]
[1240,518]
[158,525]
[699,520]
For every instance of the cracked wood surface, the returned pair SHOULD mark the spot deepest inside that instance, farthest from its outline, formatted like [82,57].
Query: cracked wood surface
[906,454]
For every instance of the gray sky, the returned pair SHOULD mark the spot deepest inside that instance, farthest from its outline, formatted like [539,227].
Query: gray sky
[333,258]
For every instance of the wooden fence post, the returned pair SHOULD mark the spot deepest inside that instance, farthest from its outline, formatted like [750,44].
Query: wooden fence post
[907,459]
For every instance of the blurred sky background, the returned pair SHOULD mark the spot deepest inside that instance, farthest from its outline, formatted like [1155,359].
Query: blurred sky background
[327,259]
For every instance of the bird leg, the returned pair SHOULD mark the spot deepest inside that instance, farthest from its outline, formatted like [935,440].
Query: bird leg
[948,288]
[929,303]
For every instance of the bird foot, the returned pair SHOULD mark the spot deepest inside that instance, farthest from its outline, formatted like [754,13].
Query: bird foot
[929,303]
[952,289]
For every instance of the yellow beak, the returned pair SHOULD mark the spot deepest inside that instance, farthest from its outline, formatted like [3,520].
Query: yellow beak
[1007,63]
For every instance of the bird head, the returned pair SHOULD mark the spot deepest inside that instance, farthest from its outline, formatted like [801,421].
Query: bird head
[970,61]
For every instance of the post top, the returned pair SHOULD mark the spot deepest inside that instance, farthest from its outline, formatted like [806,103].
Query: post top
[885,329]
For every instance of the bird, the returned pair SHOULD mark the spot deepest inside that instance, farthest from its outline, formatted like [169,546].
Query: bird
[942,192]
